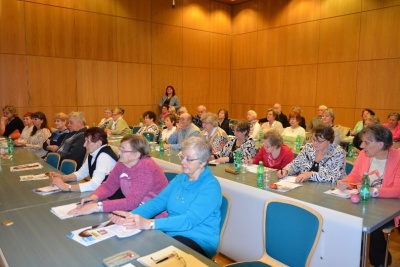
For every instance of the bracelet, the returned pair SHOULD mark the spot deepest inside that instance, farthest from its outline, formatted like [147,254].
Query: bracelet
[69,187]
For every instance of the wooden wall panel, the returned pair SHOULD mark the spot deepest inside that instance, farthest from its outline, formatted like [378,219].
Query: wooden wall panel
[269,84]
[300,11]
[97,83]
[272,13]
[161,77]
[196,48]
[220,18]
[196,14]
[196,86]
[12,28]
[242,87]
[337,84]
[333,8]
[94,29]
[299,85]
[220,84]
[162,12]
[52,82]
[339,39]
[380,34]
[59,3]
[134,84]
[13,81]
[270,44]
[301,43]
[344,116]
[107,7]
[134,9]
[166,45]
[244,17]
[50,31]
[373,4]
[134,41]
[244,51]
[220,51]
[378,84]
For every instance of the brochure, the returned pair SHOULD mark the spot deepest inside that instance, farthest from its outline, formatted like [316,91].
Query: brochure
[34,177]
[26,167]
[47,190]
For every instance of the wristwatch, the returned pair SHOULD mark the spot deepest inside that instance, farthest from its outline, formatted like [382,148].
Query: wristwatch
[375,193]
[69,188]
[151,224]
[100,206]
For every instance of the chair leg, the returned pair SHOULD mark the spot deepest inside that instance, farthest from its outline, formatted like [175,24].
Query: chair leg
[387,231]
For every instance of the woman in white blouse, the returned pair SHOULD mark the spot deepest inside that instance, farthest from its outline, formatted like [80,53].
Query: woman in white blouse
[39,134]
[290,133]
[272,123]
[21,141]
[169,122]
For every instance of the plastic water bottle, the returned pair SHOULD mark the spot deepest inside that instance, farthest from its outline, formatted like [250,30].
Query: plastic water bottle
[94,124]
[260,175]
[148,137]
[140,121]
[162,147]
[350,150]
[364,191]
[298,143]
[237,160]
[10,146]
[260,135]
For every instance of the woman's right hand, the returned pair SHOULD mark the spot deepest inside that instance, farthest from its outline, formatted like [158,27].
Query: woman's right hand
[342,185]
[281,173]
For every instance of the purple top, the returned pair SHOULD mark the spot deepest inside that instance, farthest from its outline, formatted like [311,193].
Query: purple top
[141,182]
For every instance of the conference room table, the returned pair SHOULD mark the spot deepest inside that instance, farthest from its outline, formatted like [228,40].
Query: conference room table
[37,237]
[345,224]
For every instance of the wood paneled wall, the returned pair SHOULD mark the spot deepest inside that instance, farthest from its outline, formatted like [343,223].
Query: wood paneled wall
[344,54]
[65,55]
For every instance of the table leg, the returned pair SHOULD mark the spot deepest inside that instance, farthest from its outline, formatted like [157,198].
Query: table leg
[364,248]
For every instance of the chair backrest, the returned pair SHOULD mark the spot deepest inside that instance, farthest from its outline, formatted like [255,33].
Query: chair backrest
[344,131]
[170,175]
[135,129]
[53,159]
[225,209]
[349,167]
[68,166]
[150,136]
[291,232]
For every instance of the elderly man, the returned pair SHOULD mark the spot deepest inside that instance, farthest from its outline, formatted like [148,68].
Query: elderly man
[281,117]
[98,165]
[317,119]
[186,129]
[197,120]
[118,127]
[72,146]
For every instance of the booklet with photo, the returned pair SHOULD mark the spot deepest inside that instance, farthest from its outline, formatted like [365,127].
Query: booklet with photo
[47,190]
[93,234]
[285,184]
[34,177]
[170,257]
[341,193]
[26,167]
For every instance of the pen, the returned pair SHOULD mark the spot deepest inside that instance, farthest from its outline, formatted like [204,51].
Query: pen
[122,216]
[85,202]
[166,258]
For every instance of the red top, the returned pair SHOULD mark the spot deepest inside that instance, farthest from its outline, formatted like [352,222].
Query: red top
[284,158]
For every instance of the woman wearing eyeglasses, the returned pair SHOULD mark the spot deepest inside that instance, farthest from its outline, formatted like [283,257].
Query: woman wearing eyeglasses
[320,161]
[192,200]
[136,174]
[273,153]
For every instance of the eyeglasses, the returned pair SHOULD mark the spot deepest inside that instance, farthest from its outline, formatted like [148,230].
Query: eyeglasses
[122,150]
[172,255]
[315,140]
[185,158]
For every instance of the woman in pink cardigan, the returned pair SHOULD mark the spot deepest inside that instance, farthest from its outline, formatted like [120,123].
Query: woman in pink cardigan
[382,163]
[136,173]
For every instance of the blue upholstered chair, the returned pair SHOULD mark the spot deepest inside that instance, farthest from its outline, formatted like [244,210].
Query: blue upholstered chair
[291,233]
[135,129]
[68,166]
[53,159]
[349,167]
[170,175]
[149,136]
[225,209]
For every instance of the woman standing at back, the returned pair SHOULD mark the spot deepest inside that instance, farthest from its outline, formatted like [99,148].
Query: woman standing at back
[170,98]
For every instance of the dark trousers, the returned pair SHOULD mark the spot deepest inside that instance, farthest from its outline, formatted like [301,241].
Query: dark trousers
[377,248]
[191,244]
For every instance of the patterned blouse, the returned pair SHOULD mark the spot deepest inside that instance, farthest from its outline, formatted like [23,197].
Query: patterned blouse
[217,140]
[331,168]
[247,150]
[150,128]
[35,142]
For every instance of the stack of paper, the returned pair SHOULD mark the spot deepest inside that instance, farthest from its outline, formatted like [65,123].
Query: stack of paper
[62,211]
[286,184]
[342,193]
[47,190]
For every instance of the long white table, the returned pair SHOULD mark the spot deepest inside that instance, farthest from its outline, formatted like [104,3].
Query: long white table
[344,226]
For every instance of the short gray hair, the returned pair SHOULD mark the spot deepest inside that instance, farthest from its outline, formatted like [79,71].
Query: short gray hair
[252,113]
[211,117]
[200,146]
[77,116]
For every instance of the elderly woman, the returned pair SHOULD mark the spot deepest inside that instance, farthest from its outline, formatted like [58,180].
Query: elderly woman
[272,123]
[274,153]
[371,120]
[149,124]
[320,161]
[382,163]
[223,120]
[39,134]
[169,121]
[366,113]
[57,137]
[328,116]
[290,133]
[192,200]
[214,135]
[107,118]
[97,166]
[26,132]
[118,127]
[136,174]
[254,125]
[10,124]
[302,122]
[241,142]
[393,125]
[170,98]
